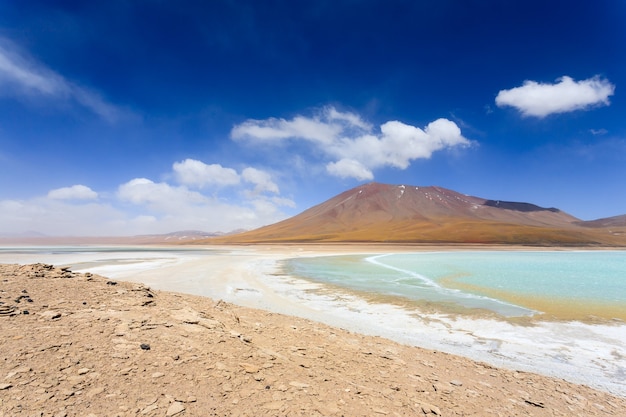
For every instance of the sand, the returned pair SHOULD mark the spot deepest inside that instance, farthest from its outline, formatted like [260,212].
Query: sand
[85,345]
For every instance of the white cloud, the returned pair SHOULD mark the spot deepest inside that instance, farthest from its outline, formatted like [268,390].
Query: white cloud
[23,76]
[143,206]
[159,196]
[192,172]
[566,95]
[178,208]
[353,146]
[59,217]
[75,192]
[598,132]
[349,168]
[261,179]
[274,130]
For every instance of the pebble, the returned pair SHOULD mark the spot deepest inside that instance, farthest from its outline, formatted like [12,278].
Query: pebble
[174,409]
[297,384]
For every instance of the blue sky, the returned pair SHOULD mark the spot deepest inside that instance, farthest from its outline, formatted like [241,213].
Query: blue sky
[134,117]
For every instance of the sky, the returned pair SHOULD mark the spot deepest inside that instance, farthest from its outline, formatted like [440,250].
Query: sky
[147,116]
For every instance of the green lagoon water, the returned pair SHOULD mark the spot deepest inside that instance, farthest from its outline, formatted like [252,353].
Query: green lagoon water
[470,279]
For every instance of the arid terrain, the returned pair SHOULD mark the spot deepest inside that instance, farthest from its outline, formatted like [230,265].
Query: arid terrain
[85,345]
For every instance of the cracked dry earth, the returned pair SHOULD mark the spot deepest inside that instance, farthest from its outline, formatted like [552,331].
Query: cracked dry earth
[83,345]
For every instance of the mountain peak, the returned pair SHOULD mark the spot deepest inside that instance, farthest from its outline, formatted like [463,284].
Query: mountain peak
[376,212]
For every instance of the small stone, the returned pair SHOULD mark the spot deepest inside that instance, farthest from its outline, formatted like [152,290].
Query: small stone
[297,384]
[250,368]
[456,383]
[274,405]
[51,315]
[158,375]
[430,409]
[145,346]
[83,371]
[175,408]
[149,409]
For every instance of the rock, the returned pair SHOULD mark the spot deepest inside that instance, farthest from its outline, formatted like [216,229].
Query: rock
[83,371]
[6,310]
[50,315]
[174,409]
[250,368]
[430,409]
[456,383]
[297,384]
[274,405]
[149,409]
[144,346]
[5,386]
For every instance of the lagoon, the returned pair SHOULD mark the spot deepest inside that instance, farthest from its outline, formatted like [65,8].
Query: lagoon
[563,284]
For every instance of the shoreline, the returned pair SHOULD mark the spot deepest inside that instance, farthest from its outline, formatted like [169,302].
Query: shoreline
[91,345]
[248,276]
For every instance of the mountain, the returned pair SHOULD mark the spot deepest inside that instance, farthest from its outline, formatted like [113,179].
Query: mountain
[408,214]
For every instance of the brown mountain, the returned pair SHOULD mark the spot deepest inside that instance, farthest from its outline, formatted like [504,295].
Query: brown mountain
[408,214]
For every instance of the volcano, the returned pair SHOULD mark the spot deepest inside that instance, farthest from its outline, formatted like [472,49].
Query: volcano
[377,212]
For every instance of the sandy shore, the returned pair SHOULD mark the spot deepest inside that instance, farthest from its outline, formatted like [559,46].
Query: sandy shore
[584,353]
[85,345]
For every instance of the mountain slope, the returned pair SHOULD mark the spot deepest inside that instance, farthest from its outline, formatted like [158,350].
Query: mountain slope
[396,213]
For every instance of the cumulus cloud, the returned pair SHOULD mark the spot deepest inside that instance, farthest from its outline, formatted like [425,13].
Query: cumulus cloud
[565,95]
[196,173]
[178,208]
[353,146]
[243,200]
[349,168]
[261,179]
[75,192]
[23,76]
[160,196]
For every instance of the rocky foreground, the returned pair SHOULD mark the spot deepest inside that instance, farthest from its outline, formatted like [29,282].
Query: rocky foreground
[83,345]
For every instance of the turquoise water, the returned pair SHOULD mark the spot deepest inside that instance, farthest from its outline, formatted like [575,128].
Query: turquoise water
[574,276]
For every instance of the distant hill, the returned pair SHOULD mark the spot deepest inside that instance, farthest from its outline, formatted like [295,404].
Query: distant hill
[33,238]
[616,221]
[409,214]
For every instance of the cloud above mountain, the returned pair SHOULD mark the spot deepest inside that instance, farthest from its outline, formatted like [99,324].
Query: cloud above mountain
[352,147]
